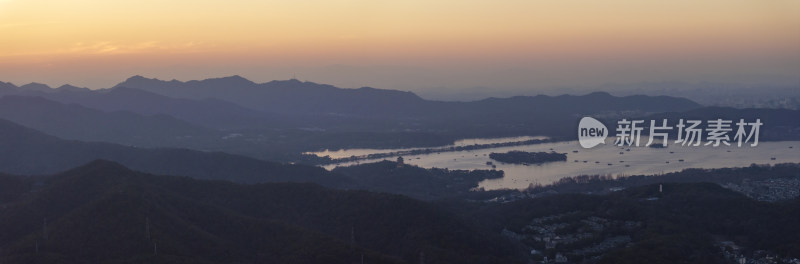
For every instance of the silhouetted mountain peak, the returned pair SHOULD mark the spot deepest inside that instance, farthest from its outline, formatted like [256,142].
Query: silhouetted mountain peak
[291,83]
[234,78]
[101,167]
[229,81]
[8,87]
[136,78]
[36,87]
[138,81]
[71,88]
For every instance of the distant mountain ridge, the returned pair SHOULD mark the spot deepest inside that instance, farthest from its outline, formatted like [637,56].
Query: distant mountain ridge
[78,122]
[30,152]
[237,103]
[278,120]
[778,124]
[371,108]
[287,97]
[294,96]
[272,110]
[212,113]
[244,98]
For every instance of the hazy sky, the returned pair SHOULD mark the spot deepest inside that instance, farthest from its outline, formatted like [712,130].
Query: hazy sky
[409,45]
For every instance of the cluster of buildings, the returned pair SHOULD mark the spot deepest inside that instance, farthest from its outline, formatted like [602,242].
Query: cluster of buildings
[769,190]
[557,238]
[733,253]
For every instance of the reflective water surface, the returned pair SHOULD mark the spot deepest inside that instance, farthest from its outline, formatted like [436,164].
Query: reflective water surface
[344,153]
[604,159]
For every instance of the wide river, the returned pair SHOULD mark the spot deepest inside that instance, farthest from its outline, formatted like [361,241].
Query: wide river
[604,159]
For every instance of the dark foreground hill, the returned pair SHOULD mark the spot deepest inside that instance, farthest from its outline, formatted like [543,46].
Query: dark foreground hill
[104,213]
[686,223]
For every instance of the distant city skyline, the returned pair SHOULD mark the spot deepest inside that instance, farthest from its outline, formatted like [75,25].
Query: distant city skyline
[429,47]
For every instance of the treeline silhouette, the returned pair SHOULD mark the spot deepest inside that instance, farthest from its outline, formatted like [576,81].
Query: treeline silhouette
[105,213]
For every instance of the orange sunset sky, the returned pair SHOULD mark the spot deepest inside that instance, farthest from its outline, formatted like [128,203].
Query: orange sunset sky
[409,45]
